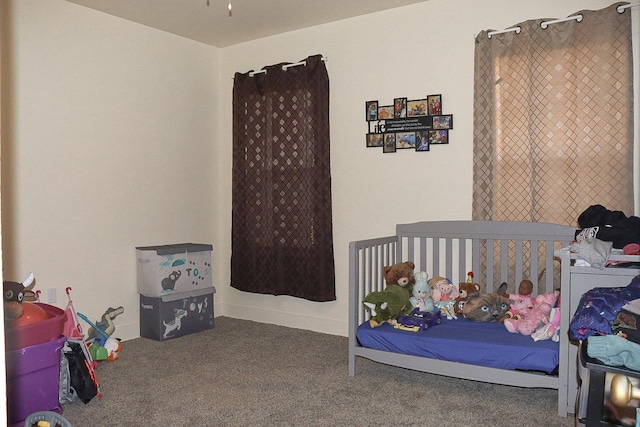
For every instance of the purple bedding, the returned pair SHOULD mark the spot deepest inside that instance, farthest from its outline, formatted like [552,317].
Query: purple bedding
[464,341]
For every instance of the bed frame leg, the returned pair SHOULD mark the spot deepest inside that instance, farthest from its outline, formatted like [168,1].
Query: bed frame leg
[352,365]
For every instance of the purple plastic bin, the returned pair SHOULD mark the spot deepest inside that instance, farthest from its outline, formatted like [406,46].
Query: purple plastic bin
[38,332]
[33,374]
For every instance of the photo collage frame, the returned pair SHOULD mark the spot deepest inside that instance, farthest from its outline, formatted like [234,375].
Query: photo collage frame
[407,124]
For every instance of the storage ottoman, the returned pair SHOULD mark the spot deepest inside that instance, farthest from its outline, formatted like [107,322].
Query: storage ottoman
[173,268]
[176,314]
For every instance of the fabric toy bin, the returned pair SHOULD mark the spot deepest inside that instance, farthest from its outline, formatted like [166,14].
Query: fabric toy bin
[177,314]
[173,268]
[33,375]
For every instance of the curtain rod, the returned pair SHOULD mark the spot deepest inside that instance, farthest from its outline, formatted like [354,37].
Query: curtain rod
[285,67]
[622,7]
[545,24]
[508,30]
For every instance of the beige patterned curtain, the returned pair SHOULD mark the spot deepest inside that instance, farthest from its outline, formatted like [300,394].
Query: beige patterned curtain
[553,119]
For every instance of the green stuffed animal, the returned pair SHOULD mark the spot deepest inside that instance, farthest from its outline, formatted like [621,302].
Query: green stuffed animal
[387,305]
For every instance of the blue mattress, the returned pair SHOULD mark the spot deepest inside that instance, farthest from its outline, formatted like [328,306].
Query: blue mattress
[464,341]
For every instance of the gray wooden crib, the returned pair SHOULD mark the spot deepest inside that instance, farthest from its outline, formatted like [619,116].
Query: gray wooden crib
[495,252]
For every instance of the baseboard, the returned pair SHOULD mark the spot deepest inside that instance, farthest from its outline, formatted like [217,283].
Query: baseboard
[130,331]
[292,320]
[126,332]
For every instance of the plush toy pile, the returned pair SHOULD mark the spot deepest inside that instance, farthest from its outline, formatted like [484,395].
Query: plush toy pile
[536,318]
[409,295]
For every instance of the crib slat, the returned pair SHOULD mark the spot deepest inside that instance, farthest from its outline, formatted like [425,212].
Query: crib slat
[489,266]
[504,260]
[462,255]
[448,258]
[534,260]
[518,262]
[549,268]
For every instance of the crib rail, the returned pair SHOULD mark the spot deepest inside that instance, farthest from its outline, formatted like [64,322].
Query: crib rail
[495,251]
[367,259]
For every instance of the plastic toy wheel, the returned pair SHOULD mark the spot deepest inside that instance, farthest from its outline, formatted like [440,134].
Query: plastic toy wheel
[43,417]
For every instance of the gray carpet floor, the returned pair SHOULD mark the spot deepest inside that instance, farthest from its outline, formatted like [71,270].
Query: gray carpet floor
[243,373]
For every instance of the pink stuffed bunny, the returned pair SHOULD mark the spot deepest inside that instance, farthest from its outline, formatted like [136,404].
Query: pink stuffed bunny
[535,318]
[551,327]
[521,303]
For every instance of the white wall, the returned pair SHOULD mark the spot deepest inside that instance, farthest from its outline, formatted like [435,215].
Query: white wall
[117,135]
[414,51]
[108,143]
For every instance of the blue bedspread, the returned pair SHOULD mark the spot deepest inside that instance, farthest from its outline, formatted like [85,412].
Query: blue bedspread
[464,341]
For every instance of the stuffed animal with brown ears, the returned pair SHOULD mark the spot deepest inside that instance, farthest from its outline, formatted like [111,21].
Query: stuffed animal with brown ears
[466,290]
[14,294]
[400,274]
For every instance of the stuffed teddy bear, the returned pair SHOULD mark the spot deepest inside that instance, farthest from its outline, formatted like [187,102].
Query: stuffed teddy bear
[421,298]
[400,274]
[535,318]
[444,294]
[466,290]
[387,305]
[521,303]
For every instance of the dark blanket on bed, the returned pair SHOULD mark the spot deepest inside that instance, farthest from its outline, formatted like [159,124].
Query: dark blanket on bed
[599,307]
[464,341]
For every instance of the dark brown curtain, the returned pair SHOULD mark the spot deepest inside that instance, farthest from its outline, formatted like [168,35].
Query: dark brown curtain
[553,122]
[282,239]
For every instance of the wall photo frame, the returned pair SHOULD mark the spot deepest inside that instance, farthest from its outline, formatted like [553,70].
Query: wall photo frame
[434,103]
[405,140]
[399,108]
[389,143]
[374,140]
[415,124]
[437,137]
[443,122]
[385,112]
[371,110]
[417,108]
[422,141]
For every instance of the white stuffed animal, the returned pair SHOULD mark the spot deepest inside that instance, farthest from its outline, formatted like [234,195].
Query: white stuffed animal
[421,297]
